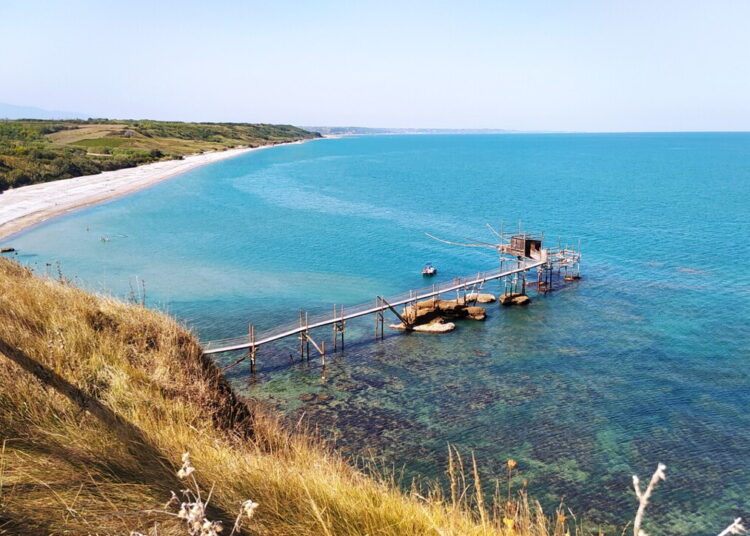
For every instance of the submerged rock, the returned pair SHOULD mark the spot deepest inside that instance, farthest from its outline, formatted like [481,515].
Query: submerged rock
[476,313]
[514,298]
[480,298]
[438,325]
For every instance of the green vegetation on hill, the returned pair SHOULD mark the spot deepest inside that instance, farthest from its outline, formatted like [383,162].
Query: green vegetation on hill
[33,151]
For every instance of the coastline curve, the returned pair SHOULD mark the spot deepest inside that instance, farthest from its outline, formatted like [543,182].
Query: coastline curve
[21,208]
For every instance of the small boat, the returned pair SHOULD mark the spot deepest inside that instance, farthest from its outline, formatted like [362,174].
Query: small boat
[429,270]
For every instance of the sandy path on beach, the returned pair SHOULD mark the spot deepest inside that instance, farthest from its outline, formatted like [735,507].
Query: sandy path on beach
[28,205]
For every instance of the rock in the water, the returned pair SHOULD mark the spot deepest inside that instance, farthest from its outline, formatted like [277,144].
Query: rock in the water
[449,306]
[436,327]
[510,299]
[506,299]
[480,298]
[423,313]
[476,313]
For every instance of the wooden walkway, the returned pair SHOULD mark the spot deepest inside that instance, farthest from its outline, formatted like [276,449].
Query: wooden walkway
[462,284]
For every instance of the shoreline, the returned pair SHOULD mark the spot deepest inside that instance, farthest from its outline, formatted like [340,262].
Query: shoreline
[24,207]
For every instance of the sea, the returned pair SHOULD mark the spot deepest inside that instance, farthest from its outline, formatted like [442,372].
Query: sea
[644,360]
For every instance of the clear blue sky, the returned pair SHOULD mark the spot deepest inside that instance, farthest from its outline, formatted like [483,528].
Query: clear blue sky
[528,65]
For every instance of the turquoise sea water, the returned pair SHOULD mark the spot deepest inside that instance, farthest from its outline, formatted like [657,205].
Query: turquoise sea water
[643,361]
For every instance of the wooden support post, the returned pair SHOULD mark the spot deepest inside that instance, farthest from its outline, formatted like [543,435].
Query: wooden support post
[301,337]
[403,320]
[253,349]
[339,327]
[307,334]
[550,271]
[538,279]
[377,304]
[335,326]
[321,349]
[379,320]
[343,327]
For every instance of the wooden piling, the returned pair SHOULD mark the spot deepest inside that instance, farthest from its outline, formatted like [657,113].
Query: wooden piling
[334,327]
[253,349]
[379,318]
[377,304]
[343,327]
[307,334]
[301,337]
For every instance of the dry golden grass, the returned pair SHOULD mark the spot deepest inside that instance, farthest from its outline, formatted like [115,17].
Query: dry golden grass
[98,400]
[86,131]
[97,137]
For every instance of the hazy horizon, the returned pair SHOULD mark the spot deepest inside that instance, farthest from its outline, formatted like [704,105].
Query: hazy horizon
[582,66]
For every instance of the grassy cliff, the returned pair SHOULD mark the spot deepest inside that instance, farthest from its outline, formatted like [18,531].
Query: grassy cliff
[99,400]
[33,151]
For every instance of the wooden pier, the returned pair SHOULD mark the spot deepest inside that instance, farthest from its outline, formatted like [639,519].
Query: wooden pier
[519,254]
[463,286]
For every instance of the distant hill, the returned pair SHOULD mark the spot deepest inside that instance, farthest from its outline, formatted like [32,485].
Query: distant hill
[359,131]
[12,111]
[35,150]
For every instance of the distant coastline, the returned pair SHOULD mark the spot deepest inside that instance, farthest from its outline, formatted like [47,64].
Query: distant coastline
[365,131]
[26,206]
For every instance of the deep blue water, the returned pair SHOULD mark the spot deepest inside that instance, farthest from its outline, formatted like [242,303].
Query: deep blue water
[643,361]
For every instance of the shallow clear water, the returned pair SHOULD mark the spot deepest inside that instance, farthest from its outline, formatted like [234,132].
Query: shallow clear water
[644,360]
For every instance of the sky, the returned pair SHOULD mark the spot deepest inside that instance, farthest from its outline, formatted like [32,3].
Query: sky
[566,65]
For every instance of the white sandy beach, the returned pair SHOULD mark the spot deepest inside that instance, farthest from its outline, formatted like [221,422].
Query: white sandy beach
[28,205]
